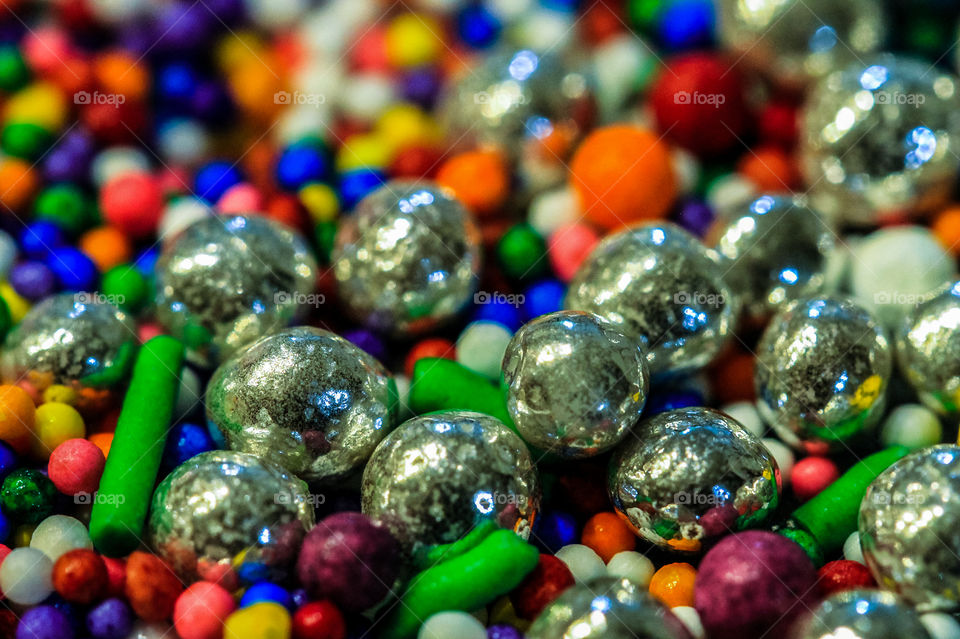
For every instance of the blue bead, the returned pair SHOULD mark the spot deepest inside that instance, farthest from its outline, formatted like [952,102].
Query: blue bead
[176,82]
[499,310]
[146,261]
[566,6]
[40,238]
[555,530]
[545,296]
[355,184]
[661,402]
[477,27]
[266,591]
[8,460]
[213,180]
[74,270]
[301,164]
[186,440]
[686,24]
[4,528]
[253,572]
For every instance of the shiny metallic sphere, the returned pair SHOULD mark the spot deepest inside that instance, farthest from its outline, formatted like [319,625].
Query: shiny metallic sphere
[860,614]
[928,350]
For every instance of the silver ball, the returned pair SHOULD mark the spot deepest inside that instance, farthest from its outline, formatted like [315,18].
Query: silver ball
[779,250]
[575,385]
[692,474]
[436,476]
[928,350]
[860,614]
[74,339]
[822,370]
[407,259]
[606,608]
[795,41]
[880,138]
[226,280]
[304,399]
[910,528]
[222,509]
[662,287]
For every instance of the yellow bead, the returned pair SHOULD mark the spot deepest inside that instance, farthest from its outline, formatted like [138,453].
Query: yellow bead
[364,150]
[42,104]
[18,305]
[266,620]
[60,393]
[501,611]
[405,125]
[321,202]
[54,424]
[413,40]
[22,535]
[237,49]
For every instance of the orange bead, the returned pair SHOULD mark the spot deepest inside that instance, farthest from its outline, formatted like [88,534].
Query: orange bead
[107,247]
[16,413]
[606,534]
[946,226]
[732,377]
[119,73]
[673,584]
[18,182]
[102,441]
[623,174]
[769,168]
[479,179]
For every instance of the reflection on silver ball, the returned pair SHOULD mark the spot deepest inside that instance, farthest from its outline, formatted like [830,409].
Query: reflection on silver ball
[575,385]
[910,528]
[860,614]
[778,250]
[223,509]
[822,370]
[881,138]
[304,399]
[74,339]
[928,350]
[607,608]
[407,259]
[436,476]
[794,41]
[227,280]
[692,474]
[659,285]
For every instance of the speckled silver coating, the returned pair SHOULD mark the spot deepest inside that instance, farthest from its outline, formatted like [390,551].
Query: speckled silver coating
[407,259]
[661,286]
[606,608]
[74,339]
[223,508]
[778,250]
[910,528]
[305,399]
[928,350]
[226,280]
[879,137]
[436,476]
[860,614]
[794,41]
[575,385]
[822,371]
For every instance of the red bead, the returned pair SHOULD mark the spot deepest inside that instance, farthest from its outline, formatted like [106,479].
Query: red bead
[132,202]
[602,21]
[810,475]
[116,576]
[286,209]
[778,124]
[550,578]
[431,347]
[80,576]
[115,123]
[318,620]
[416,162]
[844,574]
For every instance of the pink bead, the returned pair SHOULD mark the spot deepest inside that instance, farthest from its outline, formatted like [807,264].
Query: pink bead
[148,330]
[200,610]
[369,53]
[75,467]
[133,202]
[174,181]
[568,247]
[811,475]
[46,48]
[240,198]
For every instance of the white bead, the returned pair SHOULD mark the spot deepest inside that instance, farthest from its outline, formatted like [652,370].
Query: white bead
[25,576]
[59,534]
[481,347]
[552,209]
[190,394]
[117,11]
[911,425]
[687,169]
[852,549]
[543,30]
[303,121]
[403,393]
[366,96]
[631,565]
[582,562]
[8,253]
[276,14]
[150,630]
[747,415]
[690,619]
[445,625]
[508,10]
[940,625]
[784,456]
[183,142]
[181,213]
[730,191]
[441,6]
[619,64]
[115,161]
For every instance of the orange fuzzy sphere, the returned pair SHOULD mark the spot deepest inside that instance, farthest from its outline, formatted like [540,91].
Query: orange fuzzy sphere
[673,584]
[479,179]
[607,535]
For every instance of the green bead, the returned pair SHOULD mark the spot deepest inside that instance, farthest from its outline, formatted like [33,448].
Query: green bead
[126,286]
[24,140]
[14,74]
[323,234]
[28,496]
[521,252]
[806,541]
[6,321]
[642,14]
[66,206]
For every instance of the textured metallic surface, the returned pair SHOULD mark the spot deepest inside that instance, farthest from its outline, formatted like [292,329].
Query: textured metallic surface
[692,474]
[606,608]
[881,137]
[575,384]
[74,339]
[436,476]
[910,528]
[407,259]
[659,285]
[222,509]
[928,350]
[227,280]
[778,250]
[822,371]
[794,41]
[860,614]
[305,399]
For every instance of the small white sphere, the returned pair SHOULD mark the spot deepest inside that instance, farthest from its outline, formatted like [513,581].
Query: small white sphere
[552,209]
[784,456]
[58,534]
[403,397]
[911,425]
[453,623]
[582,561]
[687,169]
[118,11]
[620,66]
[184,142]
[181,213]
[629,564]
[366,96]
[481,347]
[543,30]
[25,576]
[115,161]
[730,191]
[190,394]
[852,549]
[747,415]
[303,121]
[276,14]
[8,254]
[940,625]
[508,10]
[690,619]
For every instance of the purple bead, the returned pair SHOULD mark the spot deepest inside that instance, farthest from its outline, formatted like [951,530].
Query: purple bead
[503,631]
[695,216]
[753,583]
[182,27]
[60,165]
[367,341]
[137,38]
[229,11]
[350,560]
[300,597]
[32,280]
[110,619]
[421,86]
[210,102]
[44,622]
